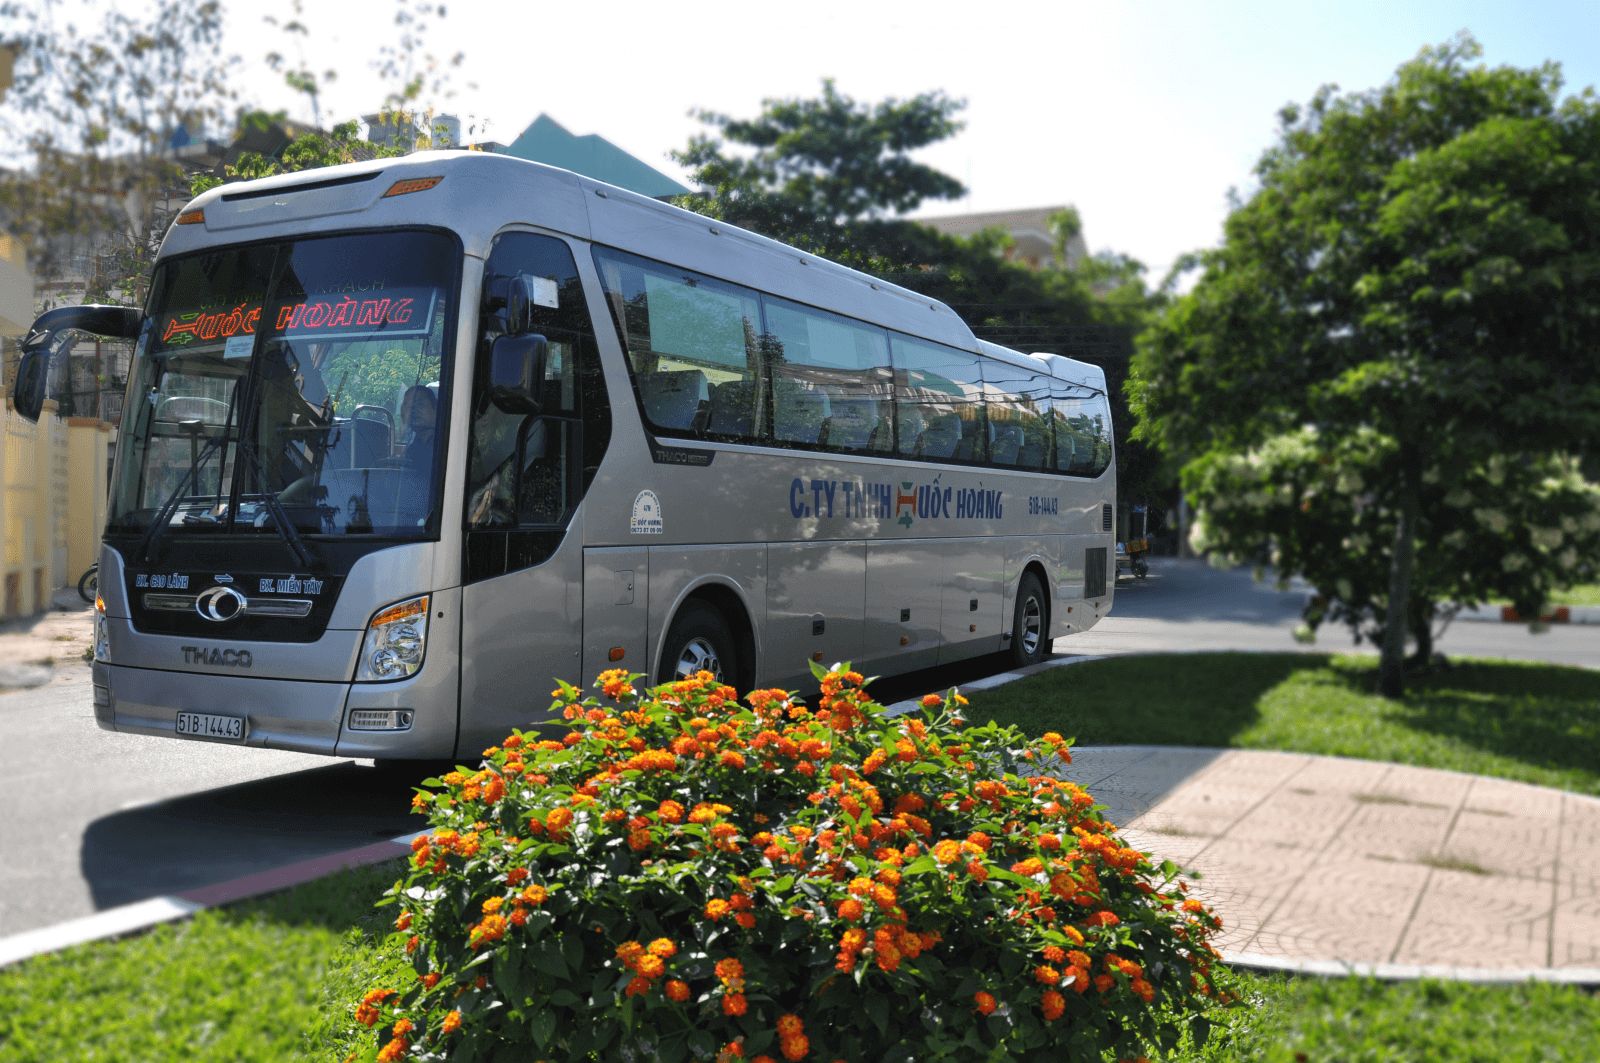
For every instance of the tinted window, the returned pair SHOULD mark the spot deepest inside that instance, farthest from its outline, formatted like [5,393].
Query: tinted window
[830,379]
[529,471]
[1018,405]
[692,347]
[938,402]
[1082,429]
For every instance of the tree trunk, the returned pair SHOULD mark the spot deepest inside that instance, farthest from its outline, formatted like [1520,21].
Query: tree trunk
[1422,632]
[1392,670]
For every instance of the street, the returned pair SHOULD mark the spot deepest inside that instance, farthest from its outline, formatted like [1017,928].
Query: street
[95,819]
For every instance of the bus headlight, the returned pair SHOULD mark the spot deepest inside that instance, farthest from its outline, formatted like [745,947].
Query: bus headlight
[102,637]
[397,639]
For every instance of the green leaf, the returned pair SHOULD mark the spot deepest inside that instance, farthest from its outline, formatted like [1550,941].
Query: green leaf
[877,1008]
[547,957]
[542,1024]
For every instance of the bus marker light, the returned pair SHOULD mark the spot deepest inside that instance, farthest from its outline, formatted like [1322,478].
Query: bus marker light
[972,627]
[817,656]
[904,641]
[617,653]
[191,217]
[420,184]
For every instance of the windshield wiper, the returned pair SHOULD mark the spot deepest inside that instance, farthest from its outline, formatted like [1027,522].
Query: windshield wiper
[163,516]
[286,528]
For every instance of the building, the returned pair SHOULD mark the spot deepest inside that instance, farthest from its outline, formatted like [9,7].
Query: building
[1035,242]
[547,141]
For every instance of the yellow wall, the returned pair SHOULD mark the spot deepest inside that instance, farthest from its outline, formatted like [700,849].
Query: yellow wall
[52,504]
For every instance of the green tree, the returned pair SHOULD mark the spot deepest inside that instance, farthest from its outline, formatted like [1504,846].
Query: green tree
[1419,262]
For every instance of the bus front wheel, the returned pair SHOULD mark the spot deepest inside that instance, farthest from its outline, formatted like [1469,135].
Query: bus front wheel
[699,640]
[1029,624]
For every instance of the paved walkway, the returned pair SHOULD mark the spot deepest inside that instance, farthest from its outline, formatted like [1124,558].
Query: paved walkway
[1310,858]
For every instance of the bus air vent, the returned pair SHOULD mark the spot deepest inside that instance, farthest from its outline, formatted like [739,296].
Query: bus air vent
[286,190]
[1105,518]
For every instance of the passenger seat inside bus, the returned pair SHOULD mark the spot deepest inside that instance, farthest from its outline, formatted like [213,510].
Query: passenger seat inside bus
[852,423]
[676,398]
[797,412]
[733,409]
[1006,446]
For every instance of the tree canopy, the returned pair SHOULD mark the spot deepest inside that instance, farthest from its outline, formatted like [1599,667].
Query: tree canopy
[1420,265]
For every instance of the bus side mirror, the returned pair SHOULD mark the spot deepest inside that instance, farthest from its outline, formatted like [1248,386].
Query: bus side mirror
[33,369]
[516,373]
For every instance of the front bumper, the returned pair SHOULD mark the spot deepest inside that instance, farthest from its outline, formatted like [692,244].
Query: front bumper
[297,715]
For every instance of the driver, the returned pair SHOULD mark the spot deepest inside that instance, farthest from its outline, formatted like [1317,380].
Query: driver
[418,414]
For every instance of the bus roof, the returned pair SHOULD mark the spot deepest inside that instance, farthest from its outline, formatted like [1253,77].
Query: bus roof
[483,193]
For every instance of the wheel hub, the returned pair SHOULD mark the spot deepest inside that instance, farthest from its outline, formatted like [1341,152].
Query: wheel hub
[698,655]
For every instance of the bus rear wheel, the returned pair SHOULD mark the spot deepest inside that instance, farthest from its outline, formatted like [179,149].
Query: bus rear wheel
[1030,623]
[698,640]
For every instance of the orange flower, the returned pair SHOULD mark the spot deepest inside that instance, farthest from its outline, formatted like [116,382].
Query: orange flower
[1046,975]
[1103,918]
[790,1026]
[452,1022]
[638,985]
[986,1002]
[796,1047]
[535,894]
[677,991]
[651,966]
[431,980]
[978,871]
[850,908]
[1143,989]
[947,851]
[1054,1004]
[745,919]
[393,1050]
[931,701]
[663,947]
[731,759]
[404,922]
[734,1004]
[717,909]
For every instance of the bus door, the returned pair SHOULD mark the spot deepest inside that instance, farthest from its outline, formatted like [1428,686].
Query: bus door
[528,464]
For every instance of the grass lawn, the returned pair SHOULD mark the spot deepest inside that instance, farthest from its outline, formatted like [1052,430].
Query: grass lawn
[1354,1020]
[1588,594]
[267,980]
[1532,722]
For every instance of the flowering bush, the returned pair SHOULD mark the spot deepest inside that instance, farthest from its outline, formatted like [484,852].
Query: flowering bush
[682,876]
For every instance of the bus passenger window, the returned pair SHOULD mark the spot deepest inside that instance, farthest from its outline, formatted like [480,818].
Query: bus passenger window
[1082,421]
[1018,404]
[830,379]
[939,395]
[692,348]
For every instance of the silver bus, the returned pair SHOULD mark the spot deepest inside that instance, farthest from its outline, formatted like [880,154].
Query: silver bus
[406,440]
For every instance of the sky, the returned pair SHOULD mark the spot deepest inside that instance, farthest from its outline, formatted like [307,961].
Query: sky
[1141,114]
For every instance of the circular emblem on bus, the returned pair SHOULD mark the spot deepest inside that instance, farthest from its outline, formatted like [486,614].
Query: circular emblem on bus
[646,515]
[221,603]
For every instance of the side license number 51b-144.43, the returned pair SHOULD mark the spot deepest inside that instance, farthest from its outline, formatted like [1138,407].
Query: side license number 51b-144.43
[203,725]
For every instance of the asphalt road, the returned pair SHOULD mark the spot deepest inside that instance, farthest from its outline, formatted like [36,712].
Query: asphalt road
[92,819]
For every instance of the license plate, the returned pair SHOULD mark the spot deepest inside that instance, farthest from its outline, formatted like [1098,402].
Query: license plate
[204,725]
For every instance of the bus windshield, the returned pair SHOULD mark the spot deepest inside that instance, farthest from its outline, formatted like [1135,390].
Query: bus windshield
[304,373]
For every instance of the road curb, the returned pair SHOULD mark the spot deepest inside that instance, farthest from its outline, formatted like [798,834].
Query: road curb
[142,915]
[1504,614]
[1409,972]
[900,708]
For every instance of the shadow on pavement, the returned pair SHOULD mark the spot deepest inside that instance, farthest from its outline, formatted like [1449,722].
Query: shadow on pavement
[1193,590]
[222,834]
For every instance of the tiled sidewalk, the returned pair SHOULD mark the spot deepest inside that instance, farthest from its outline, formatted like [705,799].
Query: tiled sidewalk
[1322,858]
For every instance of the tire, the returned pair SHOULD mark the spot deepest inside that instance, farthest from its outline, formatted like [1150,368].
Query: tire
[1030,623]
[89,584]
[698,639]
